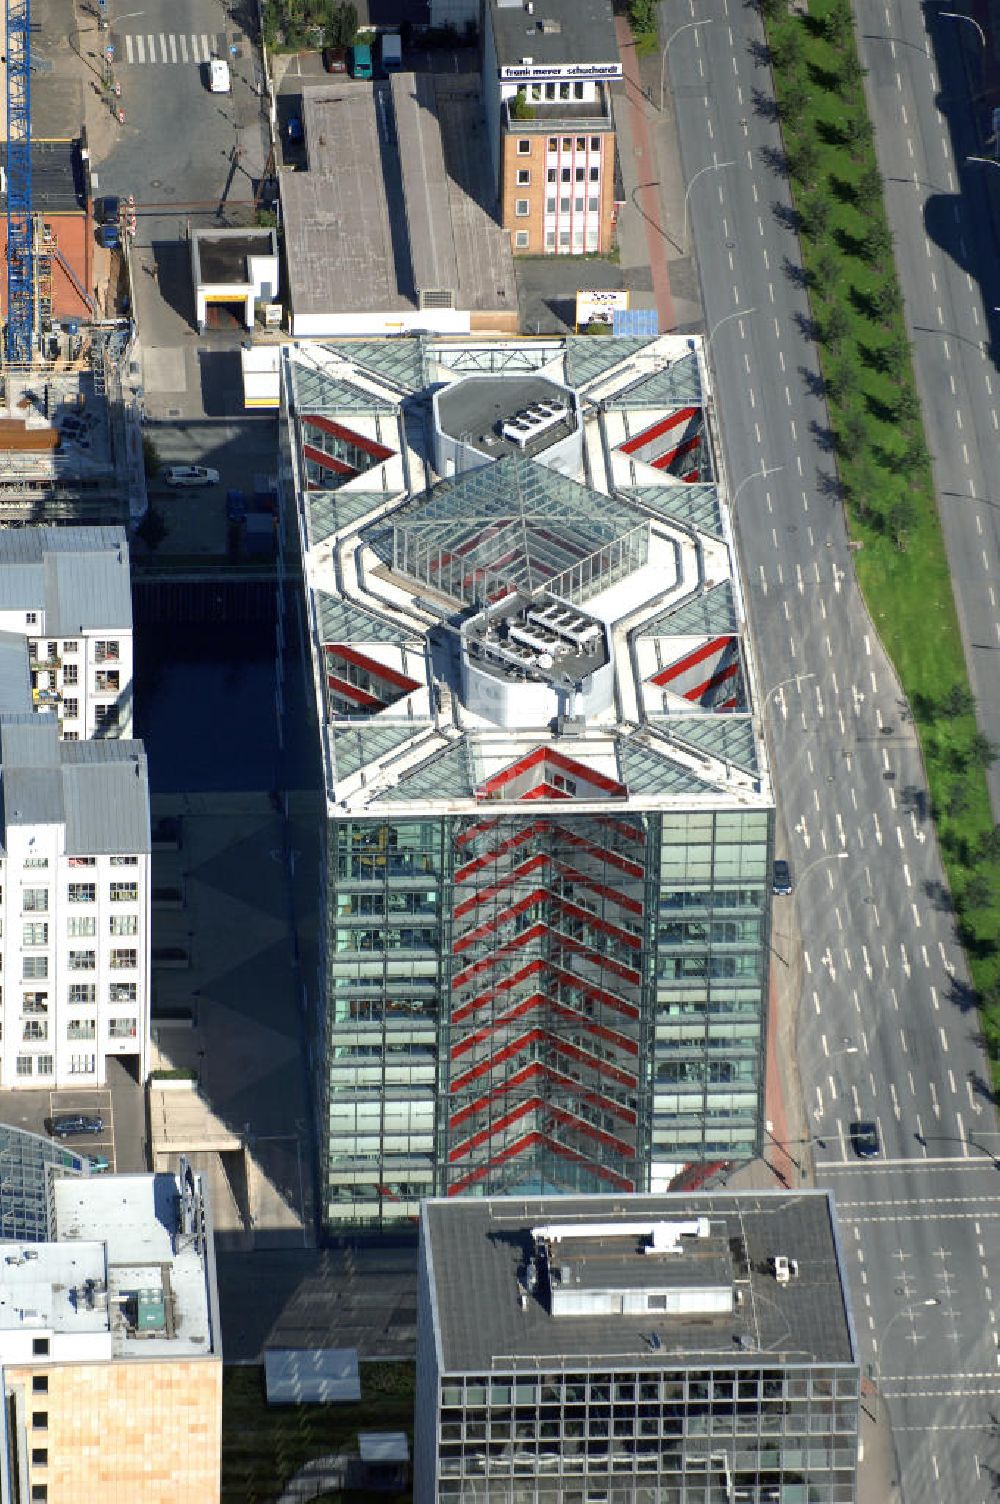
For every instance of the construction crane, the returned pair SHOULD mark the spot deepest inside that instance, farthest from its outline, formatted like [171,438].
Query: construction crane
[20,247]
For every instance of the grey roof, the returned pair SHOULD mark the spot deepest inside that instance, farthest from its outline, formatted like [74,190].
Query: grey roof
[79,576]
[476,408]
[100,789]
[586,32]
[476,1247]
[400,361]
[425,183]
[15,677]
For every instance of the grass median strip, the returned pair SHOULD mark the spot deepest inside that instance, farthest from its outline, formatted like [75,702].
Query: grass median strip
[879,458]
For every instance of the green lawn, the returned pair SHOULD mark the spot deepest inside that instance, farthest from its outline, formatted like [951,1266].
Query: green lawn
[877,438]
[264,1445]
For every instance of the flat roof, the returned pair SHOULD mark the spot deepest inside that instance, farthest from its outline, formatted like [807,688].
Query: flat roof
[381,213]
[221,255]
[476,1251]
[476,410]
[56,176]
[557,31]
[79,577]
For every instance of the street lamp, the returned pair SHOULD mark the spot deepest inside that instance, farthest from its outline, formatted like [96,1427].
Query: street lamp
[956,15]
[738,313]
[712,167]
[931,1300]
[663,55]
[831,856]
[761,474]
[795,679]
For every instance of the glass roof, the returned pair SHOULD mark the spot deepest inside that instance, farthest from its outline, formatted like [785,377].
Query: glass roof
[26,1160]
[342,621]
[514,524]
[499,359]
[400,361]
[328,511]
[447,776]
[676,385]
[358,746]
[710,614]
[696,505]
[647,768]
[322,392]
[591,355]
[730,737]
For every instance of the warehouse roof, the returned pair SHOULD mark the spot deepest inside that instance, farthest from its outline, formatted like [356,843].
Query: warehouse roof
[77,576]
[99,789]
[556,31]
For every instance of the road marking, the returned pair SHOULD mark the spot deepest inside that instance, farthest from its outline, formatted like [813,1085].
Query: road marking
[184,47]
[173,48]
[163,46]
[128,49]
[206,49]
[951,1080]
[944,1038]
[916,913]
[151,49]
[961,1134]
[140,49]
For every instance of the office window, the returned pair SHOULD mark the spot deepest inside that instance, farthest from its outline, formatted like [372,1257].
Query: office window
[523,147]
[81,927]
[580,172]
[39,1493]
[595,174]
[594,203]
[71,736]
[82,960]
[40,1383]
[82,861]
[564,237]
[553,143]
[564,206]
[550,206]
[124,861]
[35,1002]
[521,240]
[82,893]
[35,1030]
[578,90]
[36,862]
[523,177]
[50,651]
[581,143]
[71,710]
[566,175]
[81,993]
[105,651]
[106,715]
[25,1065]
[550,175]
[521,208]
[71,674]
[595,143]
[31,618]
[35,900]
[124,892]
[124,960]
[40,1347]
[45,1065]
[34,968]
[35,932]
[123,992]
[564,91]
[40,1420]
[122,1028]
[107,681]
[81,1028]
[578,207]
[40,1455]
[567,143]
[71,645]
[124,924]
[82,1065]
[550,238]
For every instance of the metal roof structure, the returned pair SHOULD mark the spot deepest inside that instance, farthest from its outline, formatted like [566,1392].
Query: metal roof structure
[329,511]
[77,576]
[515,525]
[675,385]
[316,391]
[696,505]
[311,1375]
[28,1162]
[98,789]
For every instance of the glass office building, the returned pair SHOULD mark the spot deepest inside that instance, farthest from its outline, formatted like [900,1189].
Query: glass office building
[677,1350]
[548,810]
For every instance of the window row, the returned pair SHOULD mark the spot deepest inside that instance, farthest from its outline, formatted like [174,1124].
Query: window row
[36,1030]
[36,968]
[36,900]
[79,994]
[36,931]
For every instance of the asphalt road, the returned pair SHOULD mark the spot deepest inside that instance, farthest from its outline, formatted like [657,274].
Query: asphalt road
[939,210]
[886,1024]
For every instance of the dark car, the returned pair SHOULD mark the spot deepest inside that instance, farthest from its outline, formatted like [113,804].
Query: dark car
[865,1140]
[76,1124]
[335,59]
[781,878]
[109,210]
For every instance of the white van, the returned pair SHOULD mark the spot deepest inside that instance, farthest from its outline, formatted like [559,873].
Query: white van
[190,475]
[218,76]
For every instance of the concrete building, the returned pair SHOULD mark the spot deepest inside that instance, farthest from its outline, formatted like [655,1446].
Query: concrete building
[390,229]
[547,70]
[547,800]
[65,591]
[685,1349]
[232,271]
[75,903]
[110,1353]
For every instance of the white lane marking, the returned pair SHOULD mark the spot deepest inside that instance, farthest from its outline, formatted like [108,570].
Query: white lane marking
[140,48]
[184,48]
[128,49]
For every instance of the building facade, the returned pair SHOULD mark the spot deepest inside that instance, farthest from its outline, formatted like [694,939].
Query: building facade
[110,1354]
[548,68]
[664,1350]
[75,905]
[66,592]
[548,809]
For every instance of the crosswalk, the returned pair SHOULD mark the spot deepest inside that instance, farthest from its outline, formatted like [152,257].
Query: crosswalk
[167,48]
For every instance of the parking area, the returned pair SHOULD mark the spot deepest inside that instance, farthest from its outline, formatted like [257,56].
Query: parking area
[119,1104]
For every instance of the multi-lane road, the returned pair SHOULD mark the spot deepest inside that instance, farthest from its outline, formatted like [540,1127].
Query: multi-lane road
[887,1029]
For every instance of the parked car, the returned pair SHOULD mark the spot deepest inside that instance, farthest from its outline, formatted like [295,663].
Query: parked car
[335,59]
[97,1162]
[781,878]
[294,129]
[109,236]
[865,1140]
[109,209]
[75,1124]
[190,475]
[219,81]
[390,52]
[360,61]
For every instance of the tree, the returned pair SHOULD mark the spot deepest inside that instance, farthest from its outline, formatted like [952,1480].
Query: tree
[886,300]
[902,518]
[877,243]
[894,354]
[989,845]
[854,430]
[915,456]
[982,752]
[826,268]
[958,800]
[835,327]
[642,15]
[150,456]
[907,403]
[849,75]
[958,701]
[978,892]
[786,49]
[814,216]
[342,26]
[837,25]
[803,160]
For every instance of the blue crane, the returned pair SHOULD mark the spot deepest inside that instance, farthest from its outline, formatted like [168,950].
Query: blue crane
[20,258]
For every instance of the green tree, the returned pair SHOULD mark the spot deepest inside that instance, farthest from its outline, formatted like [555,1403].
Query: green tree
[787,49]
[958,702]
[982,752]
[959,799]
[849,75]
[642,15]
[835,327]
[150,456]
[342,26]
[978,891]
[814,216]
[854,431]
[894,353]
[886,300]
[989,845]
[837,26]
[803,160]
[826,270]
[876,247]
[907,403]
[902,518]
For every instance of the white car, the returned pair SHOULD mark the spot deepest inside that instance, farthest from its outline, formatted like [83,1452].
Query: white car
[190,475]
[218,76]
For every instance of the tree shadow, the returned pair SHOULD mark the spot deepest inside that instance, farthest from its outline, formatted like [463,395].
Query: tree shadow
[939,896]
[806,325]
[880,411]
[761,54]
[851,245]
[785,216]
[774,160]
[842,189]
[829,133]
[765,106]
[813,382]
[962,995]
[828,483]
[795,273]
[823,78]
[824,436]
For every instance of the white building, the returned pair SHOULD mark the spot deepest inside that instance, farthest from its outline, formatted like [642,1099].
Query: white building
[75,881]
[65,592]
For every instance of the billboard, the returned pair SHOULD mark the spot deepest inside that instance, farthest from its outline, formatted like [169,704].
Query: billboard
[598,306]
